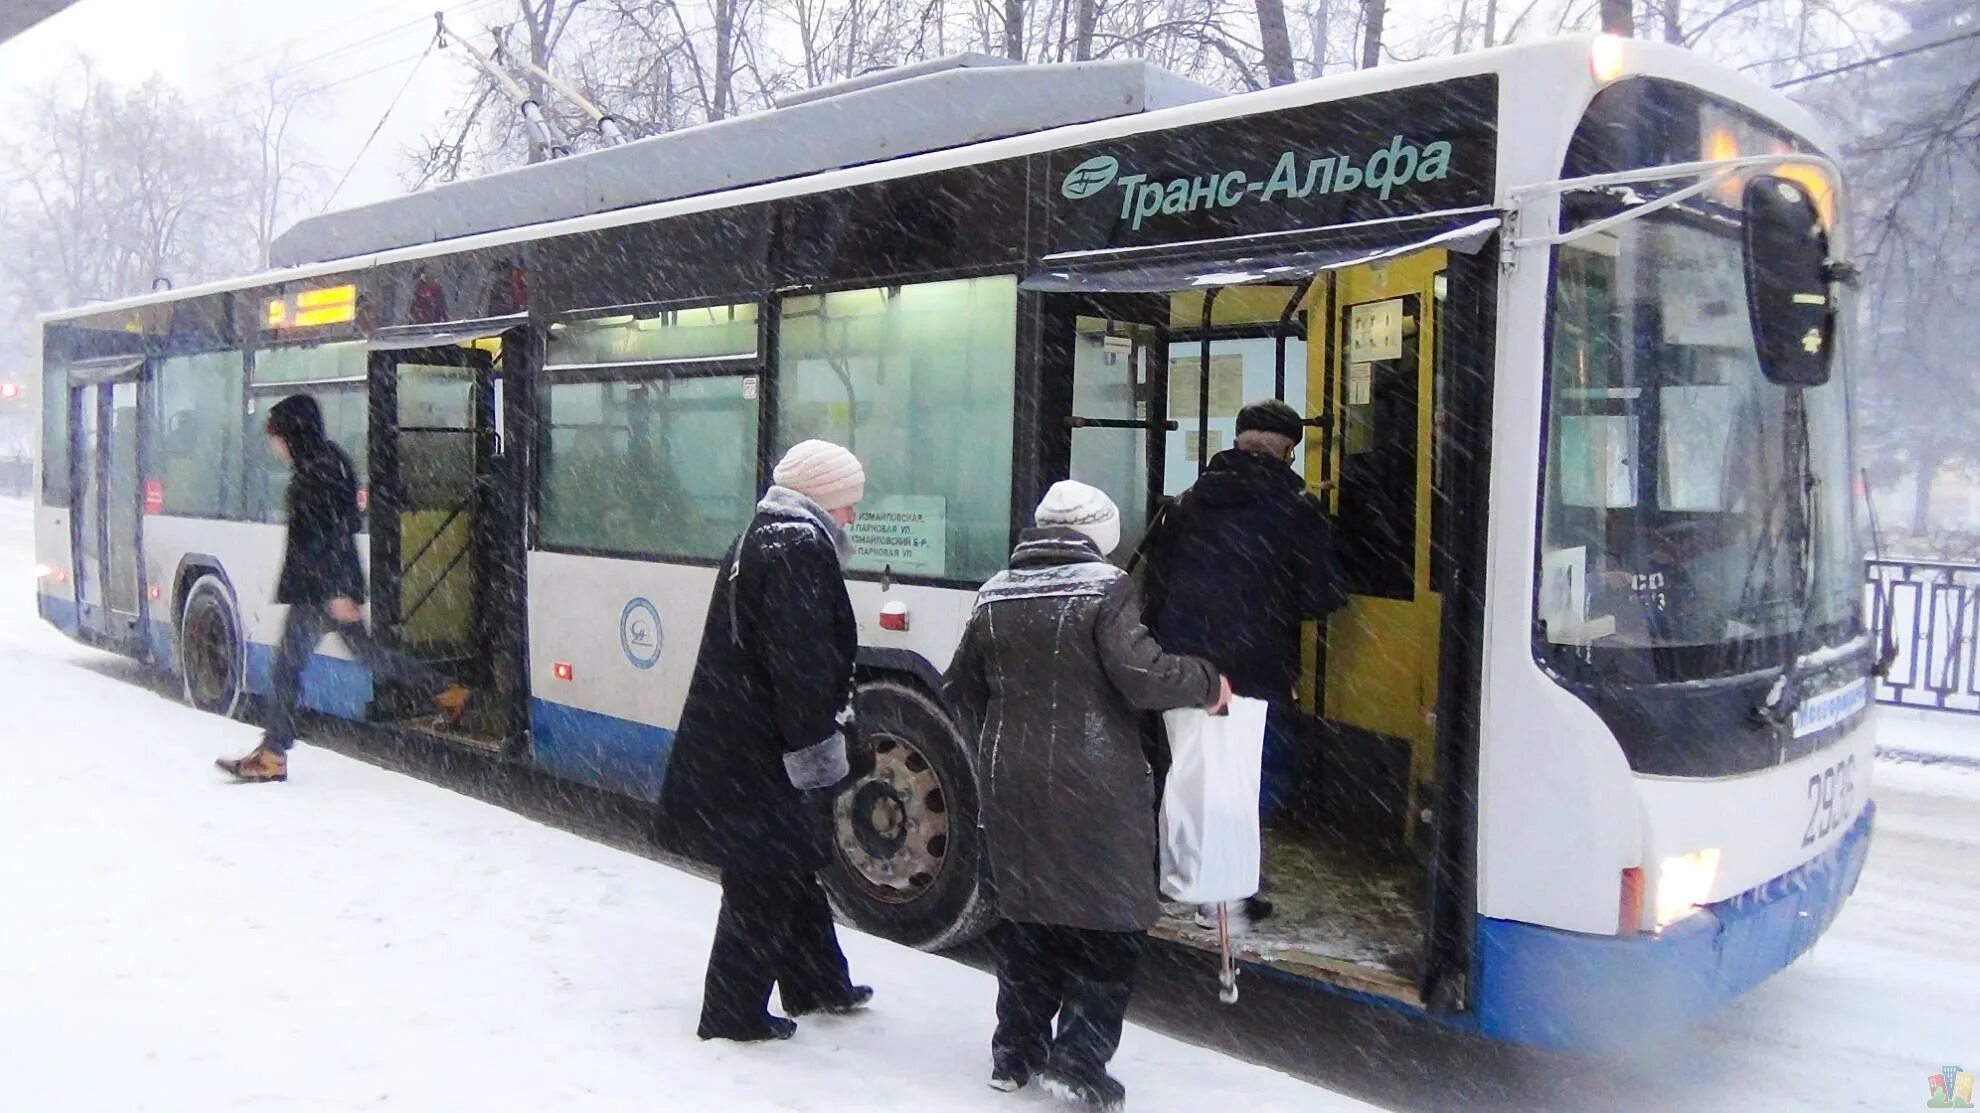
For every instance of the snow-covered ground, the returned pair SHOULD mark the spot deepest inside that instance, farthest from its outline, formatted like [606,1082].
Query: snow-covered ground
[360,939]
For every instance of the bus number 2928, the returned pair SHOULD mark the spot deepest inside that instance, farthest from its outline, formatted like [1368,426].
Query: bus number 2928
[1830,794]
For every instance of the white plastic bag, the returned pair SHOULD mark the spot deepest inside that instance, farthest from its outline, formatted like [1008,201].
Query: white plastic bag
[1210,804]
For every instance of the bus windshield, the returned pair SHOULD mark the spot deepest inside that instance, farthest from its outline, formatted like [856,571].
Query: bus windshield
[1676,544]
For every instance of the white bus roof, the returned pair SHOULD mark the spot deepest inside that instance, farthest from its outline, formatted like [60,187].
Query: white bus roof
[1557,66]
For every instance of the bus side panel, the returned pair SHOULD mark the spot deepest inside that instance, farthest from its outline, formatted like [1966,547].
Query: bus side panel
[605,700]
[612,644]
[56,594]
[249,556]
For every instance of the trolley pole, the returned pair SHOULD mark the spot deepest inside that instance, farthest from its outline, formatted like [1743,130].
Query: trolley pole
[544,134]
[610,129]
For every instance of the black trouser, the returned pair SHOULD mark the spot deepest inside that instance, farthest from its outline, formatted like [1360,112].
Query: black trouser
[306,625]
[774,929]
[1082,977]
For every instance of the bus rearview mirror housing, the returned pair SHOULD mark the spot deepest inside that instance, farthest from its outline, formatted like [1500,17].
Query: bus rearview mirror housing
[1788,304]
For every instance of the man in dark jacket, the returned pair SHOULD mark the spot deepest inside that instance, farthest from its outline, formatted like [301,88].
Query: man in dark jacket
[321,582]
[1052,679]
[1236,566]
[761,738]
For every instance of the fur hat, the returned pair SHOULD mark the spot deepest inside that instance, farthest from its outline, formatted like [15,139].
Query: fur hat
[1071,504]
[824,473]
[1271,416]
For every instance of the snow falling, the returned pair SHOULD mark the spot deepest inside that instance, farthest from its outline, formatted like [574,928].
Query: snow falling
[1603,579]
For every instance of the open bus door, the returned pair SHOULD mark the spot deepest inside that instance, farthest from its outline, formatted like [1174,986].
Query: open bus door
[107,515]
[438,553]
[1379,677]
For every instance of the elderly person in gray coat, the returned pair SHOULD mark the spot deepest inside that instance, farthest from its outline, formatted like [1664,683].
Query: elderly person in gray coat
[1052,679]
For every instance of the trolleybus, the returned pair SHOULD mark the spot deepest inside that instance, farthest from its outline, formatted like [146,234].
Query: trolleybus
[1585,754]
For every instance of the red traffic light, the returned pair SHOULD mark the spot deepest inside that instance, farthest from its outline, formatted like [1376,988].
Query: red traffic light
[9,391]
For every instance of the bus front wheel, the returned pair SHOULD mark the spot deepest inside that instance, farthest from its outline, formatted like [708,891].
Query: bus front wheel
[908,856]
[212,652]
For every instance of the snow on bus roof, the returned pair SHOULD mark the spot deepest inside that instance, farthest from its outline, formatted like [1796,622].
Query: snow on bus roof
[1547,65]
[948,102]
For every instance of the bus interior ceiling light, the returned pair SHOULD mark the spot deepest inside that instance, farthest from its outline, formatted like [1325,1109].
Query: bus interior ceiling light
[1607,58]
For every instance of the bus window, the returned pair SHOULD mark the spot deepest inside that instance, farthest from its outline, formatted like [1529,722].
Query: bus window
[1111,384]
[704,332]
[333,374]
[346,418]
[1379,441]
[657,467]
[54,438]
[919,381]
[1242,370]
[198,448]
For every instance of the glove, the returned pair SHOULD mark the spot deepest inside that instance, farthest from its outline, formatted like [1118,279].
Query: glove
[818,766]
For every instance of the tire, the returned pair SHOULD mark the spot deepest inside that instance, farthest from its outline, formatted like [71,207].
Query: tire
[908,854]
[212,649]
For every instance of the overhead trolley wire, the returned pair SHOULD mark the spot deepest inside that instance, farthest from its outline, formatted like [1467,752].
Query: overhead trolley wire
[380,126]
[463,8]
[1878,60]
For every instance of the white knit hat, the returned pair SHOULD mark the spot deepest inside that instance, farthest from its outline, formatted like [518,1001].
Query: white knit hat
[1071,504]
[824,473]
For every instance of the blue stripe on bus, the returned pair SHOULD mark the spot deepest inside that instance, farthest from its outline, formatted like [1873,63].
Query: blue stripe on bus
[160,642]
[60,613]
[1580,992]
[602,751]
[331,685]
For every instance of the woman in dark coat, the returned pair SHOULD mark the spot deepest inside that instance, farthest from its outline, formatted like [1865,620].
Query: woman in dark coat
[1053,678]
[761,739]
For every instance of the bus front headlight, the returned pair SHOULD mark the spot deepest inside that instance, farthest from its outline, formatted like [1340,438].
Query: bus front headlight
[1684,883]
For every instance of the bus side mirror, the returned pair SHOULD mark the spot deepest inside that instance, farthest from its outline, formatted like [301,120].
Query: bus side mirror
[1788,303]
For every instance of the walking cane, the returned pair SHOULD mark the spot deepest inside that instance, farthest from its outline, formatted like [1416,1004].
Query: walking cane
[1227,990]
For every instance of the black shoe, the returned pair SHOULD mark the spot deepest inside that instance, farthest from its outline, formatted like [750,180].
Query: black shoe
[1257,908]
[1009,1079]
[1102,1092]
[856,998]
[772,1028]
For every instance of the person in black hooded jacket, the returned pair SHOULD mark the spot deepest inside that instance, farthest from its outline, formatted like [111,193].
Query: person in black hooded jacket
[321,582]
[1236,566]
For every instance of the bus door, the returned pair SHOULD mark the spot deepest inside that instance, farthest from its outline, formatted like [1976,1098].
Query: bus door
[1146,418]
[1252,339]
[434,448]
[107,516]
[1379,672]
[1120,424]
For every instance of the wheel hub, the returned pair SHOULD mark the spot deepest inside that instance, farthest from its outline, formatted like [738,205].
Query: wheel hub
[892,827]
[208,671]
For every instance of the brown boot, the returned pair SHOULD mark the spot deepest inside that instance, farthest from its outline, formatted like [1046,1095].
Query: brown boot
[262,764]
[452,702]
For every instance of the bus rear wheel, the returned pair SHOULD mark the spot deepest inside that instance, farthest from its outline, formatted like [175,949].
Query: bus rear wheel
[907,859]
[212,653]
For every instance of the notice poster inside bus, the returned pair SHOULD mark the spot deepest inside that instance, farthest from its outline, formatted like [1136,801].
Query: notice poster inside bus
[904,534]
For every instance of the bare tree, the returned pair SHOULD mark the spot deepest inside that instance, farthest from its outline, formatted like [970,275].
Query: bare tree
[1618,17]
[278,179]
[1319,15]
[1083,26]
[120,187]
[1275,42]
[1373,14]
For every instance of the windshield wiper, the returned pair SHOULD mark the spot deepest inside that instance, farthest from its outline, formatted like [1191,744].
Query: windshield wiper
[1784,695]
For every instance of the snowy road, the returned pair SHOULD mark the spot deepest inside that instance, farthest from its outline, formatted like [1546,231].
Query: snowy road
[359,939]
